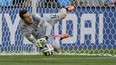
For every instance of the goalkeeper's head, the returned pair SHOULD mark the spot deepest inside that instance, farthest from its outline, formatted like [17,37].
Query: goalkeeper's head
[26,17]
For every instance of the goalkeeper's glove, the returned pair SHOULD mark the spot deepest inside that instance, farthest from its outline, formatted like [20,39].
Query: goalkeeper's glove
[42,41]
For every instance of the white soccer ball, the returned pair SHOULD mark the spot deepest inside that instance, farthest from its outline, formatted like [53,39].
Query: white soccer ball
[48,50]
[48,53]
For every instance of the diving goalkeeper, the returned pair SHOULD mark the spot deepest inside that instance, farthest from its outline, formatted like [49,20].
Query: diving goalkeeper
[37,29]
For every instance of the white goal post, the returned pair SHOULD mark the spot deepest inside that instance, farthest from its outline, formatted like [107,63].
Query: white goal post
[91,26]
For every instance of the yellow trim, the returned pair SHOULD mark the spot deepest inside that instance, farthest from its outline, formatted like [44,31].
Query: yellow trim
[39,41]
[31,37]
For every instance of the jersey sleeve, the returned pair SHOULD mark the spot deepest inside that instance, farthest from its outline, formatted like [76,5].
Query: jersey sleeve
[29,36]
[36,18]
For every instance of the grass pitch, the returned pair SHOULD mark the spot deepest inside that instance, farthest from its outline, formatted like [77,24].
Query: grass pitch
[56,60]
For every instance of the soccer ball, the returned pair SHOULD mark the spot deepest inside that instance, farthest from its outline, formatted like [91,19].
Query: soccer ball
[48,50]
[48,53]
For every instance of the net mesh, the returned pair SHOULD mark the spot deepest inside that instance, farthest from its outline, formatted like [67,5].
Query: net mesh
[91,26]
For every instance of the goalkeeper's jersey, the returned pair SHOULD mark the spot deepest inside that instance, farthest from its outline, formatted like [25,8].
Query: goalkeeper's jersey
[36,29]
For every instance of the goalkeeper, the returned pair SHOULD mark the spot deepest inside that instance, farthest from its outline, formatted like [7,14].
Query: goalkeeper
[37,29]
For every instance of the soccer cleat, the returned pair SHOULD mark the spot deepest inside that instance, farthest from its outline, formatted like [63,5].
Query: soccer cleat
[63,36]
[69,8]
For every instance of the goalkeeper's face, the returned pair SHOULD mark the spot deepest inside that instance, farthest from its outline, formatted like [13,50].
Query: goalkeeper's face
[27,18]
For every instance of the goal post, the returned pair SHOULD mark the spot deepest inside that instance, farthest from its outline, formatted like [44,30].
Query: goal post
[91,26]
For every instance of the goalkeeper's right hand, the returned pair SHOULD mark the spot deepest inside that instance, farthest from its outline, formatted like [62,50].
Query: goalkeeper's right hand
[41,42]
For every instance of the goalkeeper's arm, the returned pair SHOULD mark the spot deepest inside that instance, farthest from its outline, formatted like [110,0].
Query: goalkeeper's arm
[31,38]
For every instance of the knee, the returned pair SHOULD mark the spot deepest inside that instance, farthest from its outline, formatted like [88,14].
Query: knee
[64,15]
[56,49]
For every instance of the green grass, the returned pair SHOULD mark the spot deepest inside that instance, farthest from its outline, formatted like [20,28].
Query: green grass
[56,60]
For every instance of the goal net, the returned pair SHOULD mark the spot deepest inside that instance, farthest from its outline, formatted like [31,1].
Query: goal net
[91,26]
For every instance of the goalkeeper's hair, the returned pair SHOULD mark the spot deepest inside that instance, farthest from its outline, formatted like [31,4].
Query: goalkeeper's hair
[21,13]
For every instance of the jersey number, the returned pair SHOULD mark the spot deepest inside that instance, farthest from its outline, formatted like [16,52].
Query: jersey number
[53,16]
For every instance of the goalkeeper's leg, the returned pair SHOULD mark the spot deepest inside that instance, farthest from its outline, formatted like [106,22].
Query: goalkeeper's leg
[55,40]
[54,18]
